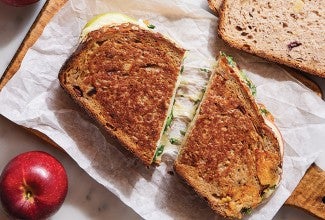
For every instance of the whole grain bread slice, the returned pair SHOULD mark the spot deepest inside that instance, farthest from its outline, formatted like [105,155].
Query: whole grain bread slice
[288,32]
[230,156]
[125,77]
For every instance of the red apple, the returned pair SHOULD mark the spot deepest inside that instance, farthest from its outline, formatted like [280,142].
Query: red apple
[33,185]
[19,2]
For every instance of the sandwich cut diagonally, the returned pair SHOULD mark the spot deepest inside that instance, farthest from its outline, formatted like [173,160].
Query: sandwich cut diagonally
[232,152]
[125,76]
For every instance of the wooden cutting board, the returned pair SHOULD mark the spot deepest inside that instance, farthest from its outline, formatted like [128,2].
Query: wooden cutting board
[309,194]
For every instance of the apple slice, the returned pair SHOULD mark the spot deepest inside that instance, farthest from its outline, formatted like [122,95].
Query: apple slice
[108,19]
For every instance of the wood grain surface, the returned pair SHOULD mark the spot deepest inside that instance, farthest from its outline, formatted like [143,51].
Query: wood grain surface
[49,10]
[309,195]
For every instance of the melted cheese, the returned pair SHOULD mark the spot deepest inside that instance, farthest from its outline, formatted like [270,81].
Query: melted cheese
[187,99]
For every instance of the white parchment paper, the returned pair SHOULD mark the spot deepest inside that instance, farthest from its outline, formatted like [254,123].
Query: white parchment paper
[34,99]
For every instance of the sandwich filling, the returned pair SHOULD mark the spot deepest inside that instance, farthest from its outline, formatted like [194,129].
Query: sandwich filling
[187,98]
[190,91]
[163,140]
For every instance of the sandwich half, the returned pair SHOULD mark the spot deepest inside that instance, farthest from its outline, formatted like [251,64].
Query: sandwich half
[125,75]
[232,152]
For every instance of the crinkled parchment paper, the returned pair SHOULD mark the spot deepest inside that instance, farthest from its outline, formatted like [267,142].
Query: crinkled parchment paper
[34,99]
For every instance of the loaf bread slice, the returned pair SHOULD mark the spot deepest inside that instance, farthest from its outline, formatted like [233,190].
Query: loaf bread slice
[288,32]
[231,156]
[125,77]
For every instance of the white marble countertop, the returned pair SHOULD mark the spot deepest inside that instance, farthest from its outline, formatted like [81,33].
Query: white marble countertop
[86,198]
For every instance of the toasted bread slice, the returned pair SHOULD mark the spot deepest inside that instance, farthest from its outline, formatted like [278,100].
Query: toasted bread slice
[230,156]
[288,32]
[125,76]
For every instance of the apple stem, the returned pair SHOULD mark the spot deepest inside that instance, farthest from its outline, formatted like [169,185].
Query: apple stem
[28,194]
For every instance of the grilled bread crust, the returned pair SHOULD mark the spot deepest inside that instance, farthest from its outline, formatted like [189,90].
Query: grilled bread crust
[124,77]
[287,32]
[229,156]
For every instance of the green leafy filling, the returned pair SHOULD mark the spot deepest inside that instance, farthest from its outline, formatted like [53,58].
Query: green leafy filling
[264,111]
[248,82]
[197,101]
[230,59]
[160,149]
[205,70]
[151,26]
[243,76]
[246,211]
[182,69]
[266,192]
[182,133]
[159,152]
[174,141]
[169,120]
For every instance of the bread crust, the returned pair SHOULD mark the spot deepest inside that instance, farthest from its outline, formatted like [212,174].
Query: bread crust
[215,6]
[124,77]
[249,47]
[229,156]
